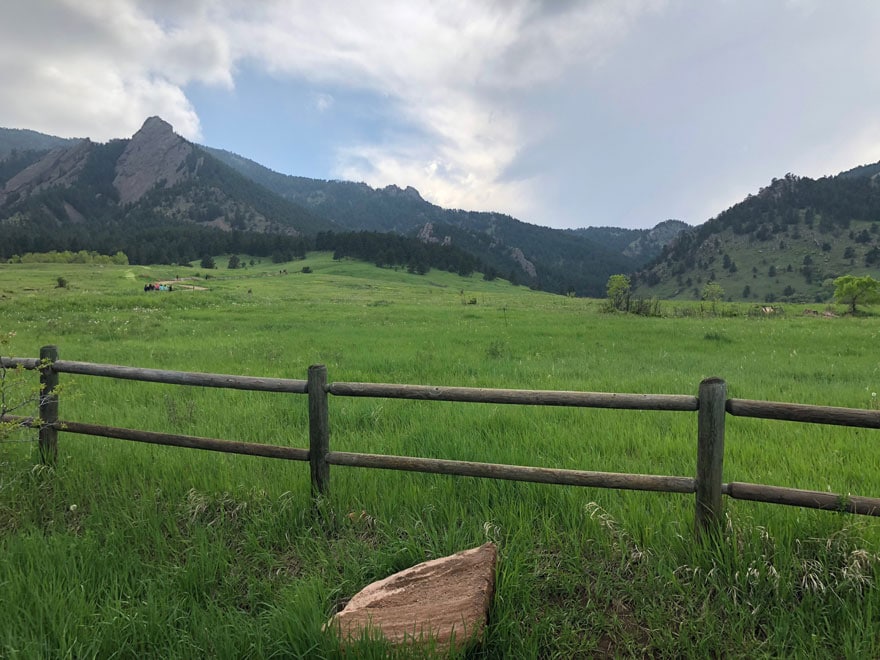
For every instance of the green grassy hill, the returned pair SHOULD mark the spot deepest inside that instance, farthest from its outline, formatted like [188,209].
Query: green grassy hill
[787,243]
[795,264]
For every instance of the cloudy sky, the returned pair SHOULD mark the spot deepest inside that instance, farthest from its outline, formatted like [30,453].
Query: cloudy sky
[564,113]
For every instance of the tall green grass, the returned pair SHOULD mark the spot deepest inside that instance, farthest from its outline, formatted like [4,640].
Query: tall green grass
[132,550]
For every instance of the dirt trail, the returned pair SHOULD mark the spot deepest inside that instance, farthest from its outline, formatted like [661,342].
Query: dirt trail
[181,284]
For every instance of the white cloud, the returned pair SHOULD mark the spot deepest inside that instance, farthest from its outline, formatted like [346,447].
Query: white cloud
[546,110]
[449,69]
[98,68]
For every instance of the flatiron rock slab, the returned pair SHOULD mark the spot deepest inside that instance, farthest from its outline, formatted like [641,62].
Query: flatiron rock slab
[445,600]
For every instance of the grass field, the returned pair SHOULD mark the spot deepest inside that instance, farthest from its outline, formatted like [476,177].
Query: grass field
[131,550]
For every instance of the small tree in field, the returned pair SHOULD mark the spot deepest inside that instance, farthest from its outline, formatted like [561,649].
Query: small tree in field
[851,290]
[207,261]
[619,291]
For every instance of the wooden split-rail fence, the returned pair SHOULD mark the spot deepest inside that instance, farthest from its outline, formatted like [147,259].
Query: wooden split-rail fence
[711,405]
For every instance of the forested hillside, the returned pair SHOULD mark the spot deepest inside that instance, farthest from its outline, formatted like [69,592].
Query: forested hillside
[786,243]
[132,196]
[540,257]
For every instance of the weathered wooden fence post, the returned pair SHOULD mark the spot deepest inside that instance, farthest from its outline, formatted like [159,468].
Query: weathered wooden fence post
[319,429]
[48,405]
[710,455]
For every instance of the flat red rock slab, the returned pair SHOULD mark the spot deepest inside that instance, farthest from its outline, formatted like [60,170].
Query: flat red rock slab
[445,600]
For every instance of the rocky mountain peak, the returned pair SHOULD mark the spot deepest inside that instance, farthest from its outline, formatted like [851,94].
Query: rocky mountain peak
[154,154]
[156,124]
[396,191]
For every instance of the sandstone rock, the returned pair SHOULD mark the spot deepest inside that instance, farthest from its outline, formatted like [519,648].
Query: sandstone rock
[445,599]
[154,154]
[60,167]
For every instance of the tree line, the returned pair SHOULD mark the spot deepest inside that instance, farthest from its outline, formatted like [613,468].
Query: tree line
[386,250]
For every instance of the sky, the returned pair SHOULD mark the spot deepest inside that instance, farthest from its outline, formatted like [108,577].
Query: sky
[561,113]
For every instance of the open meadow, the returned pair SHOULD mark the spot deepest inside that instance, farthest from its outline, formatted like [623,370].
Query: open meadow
[134,550]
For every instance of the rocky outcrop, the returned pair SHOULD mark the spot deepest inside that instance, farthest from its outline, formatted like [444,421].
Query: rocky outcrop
[524,263]
[155,154]
[60,167]
[444,602]
[426,235]
[409,192]
[651,243]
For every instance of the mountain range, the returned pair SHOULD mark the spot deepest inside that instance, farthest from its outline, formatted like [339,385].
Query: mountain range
[162,199]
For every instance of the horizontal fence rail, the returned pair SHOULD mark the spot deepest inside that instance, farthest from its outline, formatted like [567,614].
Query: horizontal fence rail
[181,377]
[168,439]
[192,442]
[797,412]
[711,405]
[614,480]
[518,397]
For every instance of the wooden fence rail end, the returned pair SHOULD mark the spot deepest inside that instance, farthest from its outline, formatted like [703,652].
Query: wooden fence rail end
[24,363]
[28,422]
[866,506]
[798,412]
